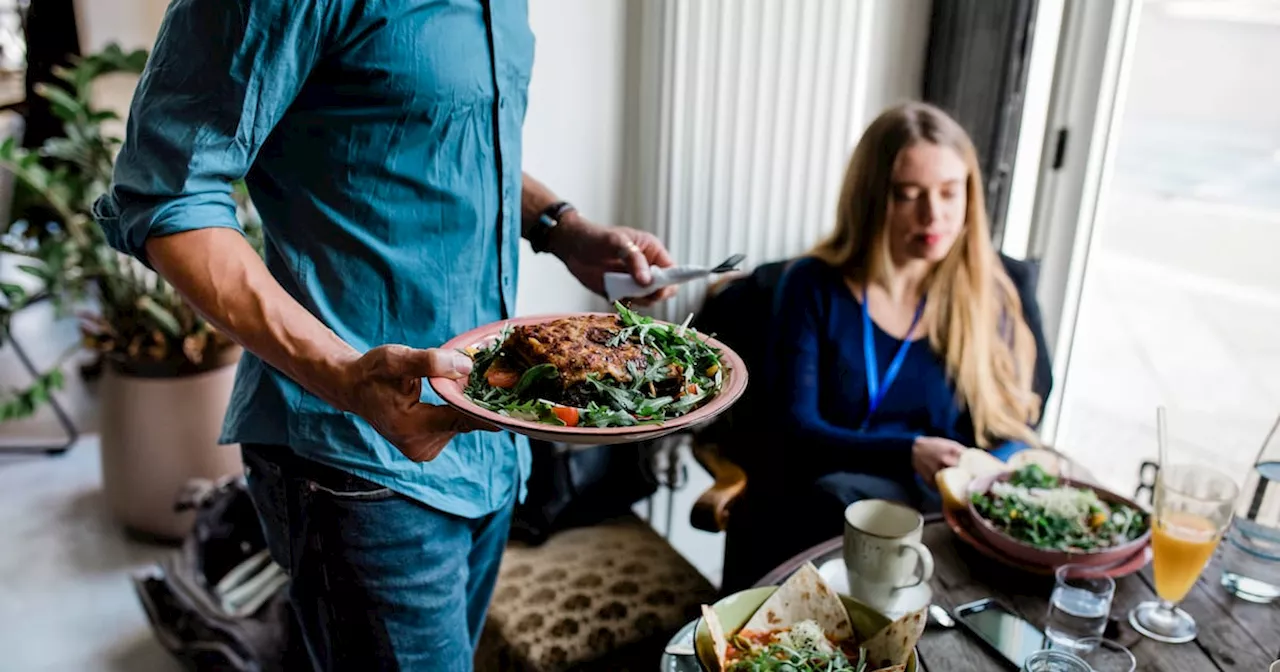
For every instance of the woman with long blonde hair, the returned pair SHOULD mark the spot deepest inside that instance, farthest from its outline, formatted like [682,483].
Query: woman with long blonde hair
[901,340]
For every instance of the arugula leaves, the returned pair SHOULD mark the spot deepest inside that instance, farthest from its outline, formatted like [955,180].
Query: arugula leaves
[1033,476]
[533,375]
[779,658]
[1103,525]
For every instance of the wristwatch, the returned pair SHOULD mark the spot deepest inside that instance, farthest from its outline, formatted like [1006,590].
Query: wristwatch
[539,234]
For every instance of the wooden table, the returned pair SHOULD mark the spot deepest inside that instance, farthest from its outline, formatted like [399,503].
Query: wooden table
[1234,635]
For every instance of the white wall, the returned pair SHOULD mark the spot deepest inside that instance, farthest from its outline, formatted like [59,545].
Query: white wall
[132,24]
[573,131]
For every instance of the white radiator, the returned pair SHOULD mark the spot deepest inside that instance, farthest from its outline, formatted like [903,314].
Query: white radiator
[743,114]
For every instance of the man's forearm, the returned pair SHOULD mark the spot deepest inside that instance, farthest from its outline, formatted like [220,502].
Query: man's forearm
[221,276]
[535,197]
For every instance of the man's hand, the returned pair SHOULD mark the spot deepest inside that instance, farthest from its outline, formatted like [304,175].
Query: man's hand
[222,277]
[384,386]
[930,454]
[590,250]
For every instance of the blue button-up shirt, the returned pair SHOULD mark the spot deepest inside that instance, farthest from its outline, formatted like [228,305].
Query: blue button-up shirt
[381,145]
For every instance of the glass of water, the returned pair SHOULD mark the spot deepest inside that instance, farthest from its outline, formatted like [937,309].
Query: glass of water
[1054,661]
[1104,655]
[1078,608]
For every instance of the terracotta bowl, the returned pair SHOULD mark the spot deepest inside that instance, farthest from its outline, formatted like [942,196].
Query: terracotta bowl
[1024,552]
[451,391]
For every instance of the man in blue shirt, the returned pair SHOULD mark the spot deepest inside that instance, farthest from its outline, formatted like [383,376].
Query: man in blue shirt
[381,144]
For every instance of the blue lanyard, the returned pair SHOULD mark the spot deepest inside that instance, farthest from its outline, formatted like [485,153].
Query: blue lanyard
[876,388]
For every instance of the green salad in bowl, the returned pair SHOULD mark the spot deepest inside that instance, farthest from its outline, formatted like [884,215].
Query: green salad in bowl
[1038,509]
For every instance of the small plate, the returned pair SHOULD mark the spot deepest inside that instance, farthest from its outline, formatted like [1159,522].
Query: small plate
[682,640]
[907,600]
[961,524]
[451,391]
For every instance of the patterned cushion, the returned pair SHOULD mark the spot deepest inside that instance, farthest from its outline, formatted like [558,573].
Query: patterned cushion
[607,596]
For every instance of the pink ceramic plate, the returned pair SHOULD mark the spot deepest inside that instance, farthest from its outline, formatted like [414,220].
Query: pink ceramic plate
[1027,553]
[451,391]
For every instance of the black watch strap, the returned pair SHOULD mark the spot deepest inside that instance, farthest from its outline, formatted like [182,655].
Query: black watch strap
[540,233]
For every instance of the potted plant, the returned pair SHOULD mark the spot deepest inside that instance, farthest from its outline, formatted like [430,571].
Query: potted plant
[167,373]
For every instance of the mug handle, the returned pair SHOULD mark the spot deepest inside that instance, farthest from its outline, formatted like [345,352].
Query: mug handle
[926,563]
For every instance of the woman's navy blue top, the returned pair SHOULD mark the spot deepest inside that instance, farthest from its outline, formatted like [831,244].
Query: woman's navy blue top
[819,375]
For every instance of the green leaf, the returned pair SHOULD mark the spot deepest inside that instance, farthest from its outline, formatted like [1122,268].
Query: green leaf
[60,102]
[66,149]
[650,407]
[28,161]
[533,375]
[163,318]
[66,74]
[135,61]
[603,416]
[24,403]
[41,272]
[621,399]
[100,116]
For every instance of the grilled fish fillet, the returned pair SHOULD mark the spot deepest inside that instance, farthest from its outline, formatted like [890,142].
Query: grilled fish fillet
[577,346]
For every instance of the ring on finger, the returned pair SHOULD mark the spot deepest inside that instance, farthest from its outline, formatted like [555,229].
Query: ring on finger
[629,249]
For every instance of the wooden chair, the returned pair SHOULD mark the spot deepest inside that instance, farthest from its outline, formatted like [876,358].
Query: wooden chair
[711,510]
[719,446]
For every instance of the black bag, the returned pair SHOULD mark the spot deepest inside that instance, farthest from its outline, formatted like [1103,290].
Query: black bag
[576,487]
[220,603]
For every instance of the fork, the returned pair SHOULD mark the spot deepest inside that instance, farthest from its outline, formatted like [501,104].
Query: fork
[729,264]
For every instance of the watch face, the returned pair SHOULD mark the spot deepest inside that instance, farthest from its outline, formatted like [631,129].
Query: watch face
[540,232]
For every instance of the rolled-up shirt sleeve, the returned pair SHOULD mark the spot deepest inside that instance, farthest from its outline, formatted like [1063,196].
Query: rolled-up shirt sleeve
[220,77]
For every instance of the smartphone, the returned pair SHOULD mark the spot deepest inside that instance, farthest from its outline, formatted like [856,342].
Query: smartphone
[1004,632]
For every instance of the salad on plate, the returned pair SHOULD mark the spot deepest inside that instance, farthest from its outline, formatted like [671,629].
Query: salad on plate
[596,370]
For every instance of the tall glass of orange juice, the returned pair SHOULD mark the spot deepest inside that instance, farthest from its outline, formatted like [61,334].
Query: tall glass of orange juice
[1193,507]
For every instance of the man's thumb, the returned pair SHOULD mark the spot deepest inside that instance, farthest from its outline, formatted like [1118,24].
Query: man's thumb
[435,362]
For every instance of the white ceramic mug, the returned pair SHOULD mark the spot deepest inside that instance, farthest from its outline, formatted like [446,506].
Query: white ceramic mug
[882,550]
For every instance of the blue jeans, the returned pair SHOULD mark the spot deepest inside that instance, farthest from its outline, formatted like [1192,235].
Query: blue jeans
[378,581]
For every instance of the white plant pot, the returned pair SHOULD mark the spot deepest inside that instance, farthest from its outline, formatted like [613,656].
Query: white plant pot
[157,434]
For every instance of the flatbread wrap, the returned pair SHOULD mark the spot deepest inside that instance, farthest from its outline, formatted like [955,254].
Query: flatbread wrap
[803,596]
[718,639]
[894,643]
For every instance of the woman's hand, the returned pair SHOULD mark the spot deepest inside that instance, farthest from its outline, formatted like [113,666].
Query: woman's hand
[931,454]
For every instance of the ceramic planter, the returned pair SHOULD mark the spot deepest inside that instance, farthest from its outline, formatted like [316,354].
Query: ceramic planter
[158,432]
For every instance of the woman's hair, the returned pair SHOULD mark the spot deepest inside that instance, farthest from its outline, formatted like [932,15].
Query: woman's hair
[973,313]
